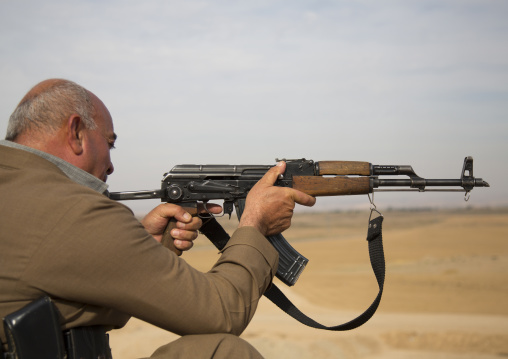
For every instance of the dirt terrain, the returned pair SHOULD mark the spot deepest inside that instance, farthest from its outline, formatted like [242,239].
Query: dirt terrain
[445,296]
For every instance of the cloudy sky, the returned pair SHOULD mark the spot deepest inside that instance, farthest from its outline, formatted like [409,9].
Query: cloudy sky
[243,82]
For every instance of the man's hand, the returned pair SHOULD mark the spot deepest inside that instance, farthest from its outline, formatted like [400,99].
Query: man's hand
[269,208]
[186,231]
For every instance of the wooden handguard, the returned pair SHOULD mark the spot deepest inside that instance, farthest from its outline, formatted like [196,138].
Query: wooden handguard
[167,240]
[331,186]
[344,168]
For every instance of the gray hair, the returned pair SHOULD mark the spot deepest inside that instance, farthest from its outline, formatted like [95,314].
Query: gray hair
[47,110]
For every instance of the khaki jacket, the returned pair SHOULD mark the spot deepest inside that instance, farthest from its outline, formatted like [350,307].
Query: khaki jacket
[101,267]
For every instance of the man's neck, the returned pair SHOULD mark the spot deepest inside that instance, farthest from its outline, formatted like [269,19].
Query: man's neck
[74,173]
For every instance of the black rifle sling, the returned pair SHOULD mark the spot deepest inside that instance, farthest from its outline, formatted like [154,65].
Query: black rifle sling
[214,232]
[377,260]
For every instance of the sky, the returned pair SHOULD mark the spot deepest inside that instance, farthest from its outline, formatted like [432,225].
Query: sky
[423,83]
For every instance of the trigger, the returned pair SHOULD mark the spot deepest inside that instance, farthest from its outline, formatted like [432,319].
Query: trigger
[228,208]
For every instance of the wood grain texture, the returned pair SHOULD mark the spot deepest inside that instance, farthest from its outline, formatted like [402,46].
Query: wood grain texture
[344,168]
[331,186]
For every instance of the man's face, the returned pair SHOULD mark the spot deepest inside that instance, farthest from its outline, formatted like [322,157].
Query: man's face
[99,142]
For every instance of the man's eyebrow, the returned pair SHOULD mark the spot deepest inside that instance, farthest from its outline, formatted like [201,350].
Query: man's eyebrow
[112,140]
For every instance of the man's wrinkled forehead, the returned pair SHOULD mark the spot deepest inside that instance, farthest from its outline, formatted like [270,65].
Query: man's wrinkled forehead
[101,111]
[103,118]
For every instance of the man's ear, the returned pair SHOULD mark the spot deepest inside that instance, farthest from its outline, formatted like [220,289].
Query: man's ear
[75,134]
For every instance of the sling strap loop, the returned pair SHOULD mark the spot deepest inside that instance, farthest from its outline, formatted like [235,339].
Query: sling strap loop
[377,260]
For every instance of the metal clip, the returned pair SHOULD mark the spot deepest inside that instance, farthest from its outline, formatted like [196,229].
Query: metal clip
[373,208]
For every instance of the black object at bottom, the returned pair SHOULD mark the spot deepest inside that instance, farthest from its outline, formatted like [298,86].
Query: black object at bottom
[34,332]
[87,342]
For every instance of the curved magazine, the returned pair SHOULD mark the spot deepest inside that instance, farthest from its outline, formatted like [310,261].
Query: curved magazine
[291,262]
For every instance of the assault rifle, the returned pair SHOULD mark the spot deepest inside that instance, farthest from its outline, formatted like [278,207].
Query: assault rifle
[187,185]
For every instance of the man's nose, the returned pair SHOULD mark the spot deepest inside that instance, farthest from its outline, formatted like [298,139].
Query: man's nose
[111,169]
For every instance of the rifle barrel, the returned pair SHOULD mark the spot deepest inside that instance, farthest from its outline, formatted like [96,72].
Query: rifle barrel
[421,183]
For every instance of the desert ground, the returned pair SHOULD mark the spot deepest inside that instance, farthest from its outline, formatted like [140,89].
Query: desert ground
[445,295]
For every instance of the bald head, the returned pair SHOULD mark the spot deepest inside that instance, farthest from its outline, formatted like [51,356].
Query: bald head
[46,107]
[42,87]
[65,120]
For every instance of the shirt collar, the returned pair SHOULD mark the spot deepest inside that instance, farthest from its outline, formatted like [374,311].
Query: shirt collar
[74,173]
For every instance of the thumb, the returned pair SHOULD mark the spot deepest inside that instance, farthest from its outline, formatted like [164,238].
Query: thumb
[273,174]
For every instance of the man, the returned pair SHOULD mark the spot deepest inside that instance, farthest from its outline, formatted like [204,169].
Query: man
[63,238]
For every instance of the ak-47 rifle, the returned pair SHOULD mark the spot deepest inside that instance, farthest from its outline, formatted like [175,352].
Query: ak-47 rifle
[188,185]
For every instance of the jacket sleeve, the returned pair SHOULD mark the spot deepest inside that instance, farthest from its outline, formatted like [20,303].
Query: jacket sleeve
[100,255]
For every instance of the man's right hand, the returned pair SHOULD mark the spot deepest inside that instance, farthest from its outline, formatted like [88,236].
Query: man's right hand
[269,208]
